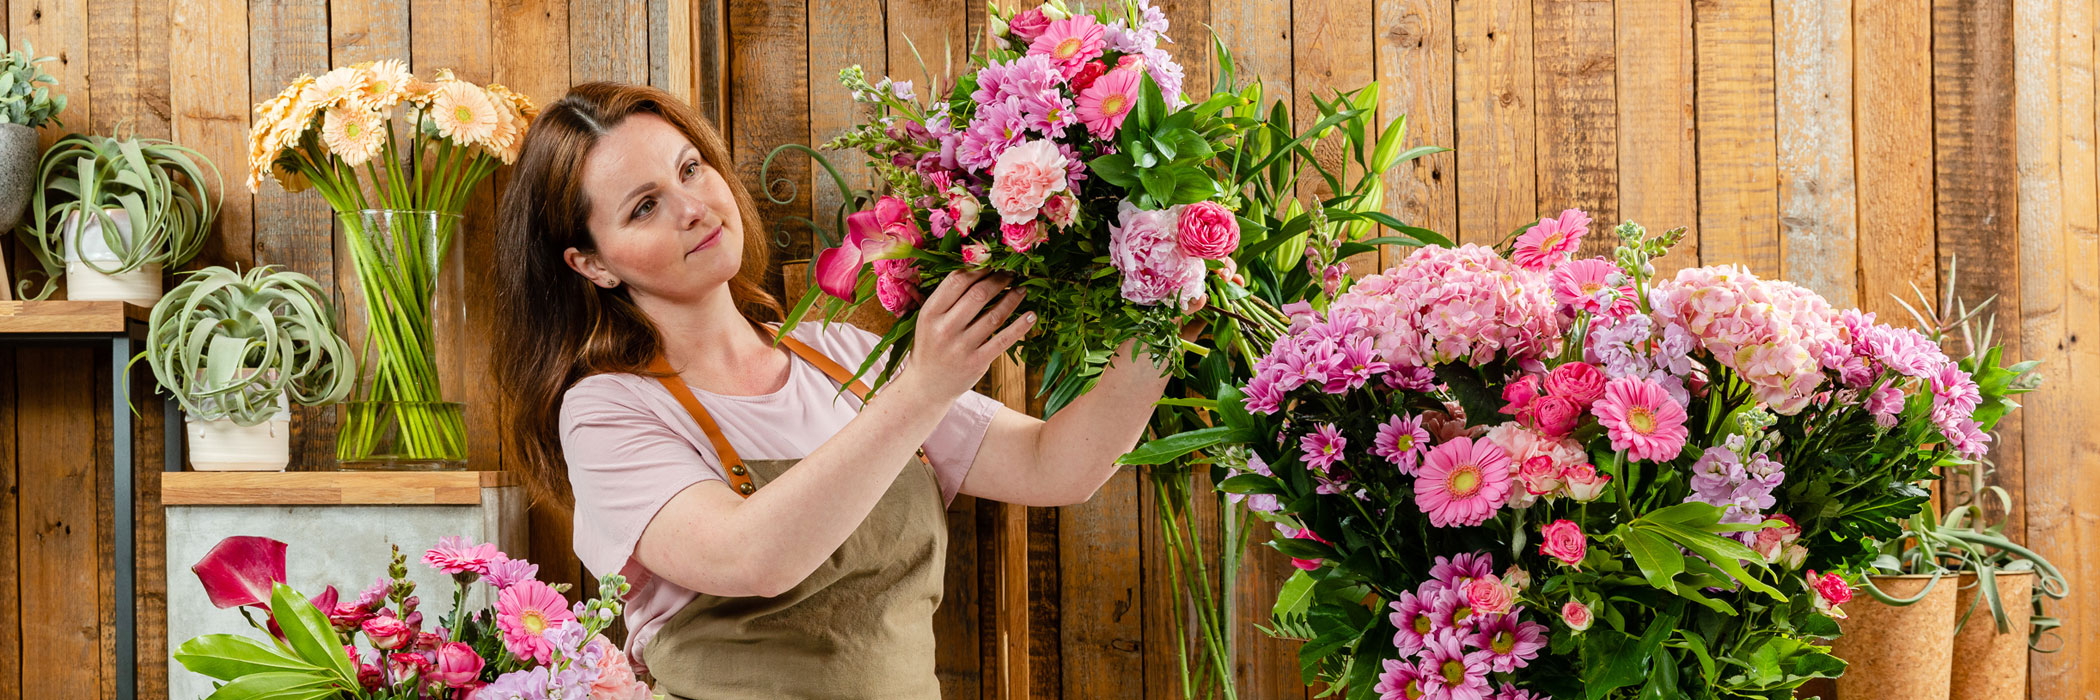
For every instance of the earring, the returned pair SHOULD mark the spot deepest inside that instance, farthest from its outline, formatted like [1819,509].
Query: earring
[609,282]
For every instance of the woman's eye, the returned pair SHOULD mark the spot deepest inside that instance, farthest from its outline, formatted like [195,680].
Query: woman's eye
[648,204]
[692,168]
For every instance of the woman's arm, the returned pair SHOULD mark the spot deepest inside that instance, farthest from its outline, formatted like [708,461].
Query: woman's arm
[710,540]
[1064,460]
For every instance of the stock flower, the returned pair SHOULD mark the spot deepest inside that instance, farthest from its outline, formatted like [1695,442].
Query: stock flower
[1452,672]
[1208,230]
[1401,680]
[1550,242]
[1323,447]
[1563,540]
[1463,482]
[1400,440]
[1070,43]
[1576,615]
[454,555]
[1104,104]
[526,612]
[1642,419]
[1831,591]
[1023,177]
[463,113]
[1511,644]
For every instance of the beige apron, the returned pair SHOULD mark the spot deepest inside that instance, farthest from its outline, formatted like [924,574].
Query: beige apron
[861,625]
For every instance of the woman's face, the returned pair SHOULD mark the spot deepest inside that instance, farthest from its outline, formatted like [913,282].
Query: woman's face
[663,220]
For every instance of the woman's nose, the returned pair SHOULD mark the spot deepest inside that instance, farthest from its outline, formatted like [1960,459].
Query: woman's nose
[691,211]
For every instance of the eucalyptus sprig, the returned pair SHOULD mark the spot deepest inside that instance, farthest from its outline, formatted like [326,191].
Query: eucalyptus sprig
[157,184]
[227,345]
[25,89]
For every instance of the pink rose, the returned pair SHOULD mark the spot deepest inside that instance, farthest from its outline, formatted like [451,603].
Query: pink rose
[1541,475]
[1028,24]
[1489,596]
[457,665]
[1023,237]
[897,286]
[963,207]
[1576,615]
[1023,177]
[1579,382]
[1771,542]
[1086,76]
[1555,416]
[1208,230]
[388,632]
[407,663]
[1831,592]
[1155,269]
[1517,578]
[370,677]
[1563,540]
[1517,395]
[1131,62]
[1585,484]
[976,254]
[1062,210]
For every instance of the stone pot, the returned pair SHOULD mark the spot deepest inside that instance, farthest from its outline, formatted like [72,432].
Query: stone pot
[18,159]
[1898,651]
[1993,665]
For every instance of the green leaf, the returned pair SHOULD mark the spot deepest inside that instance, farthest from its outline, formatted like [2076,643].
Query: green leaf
[1159,183]
[1694,514]
[1725,554]
[278,686]
[1250,483]
[308,632]
[1659,560]
[1295,596]
[1296,548]
[1167,448]
[1115,169]
[226,657]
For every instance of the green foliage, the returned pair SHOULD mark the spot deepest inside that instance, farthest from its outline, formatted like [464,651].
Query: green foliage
[25,89]
[231,346]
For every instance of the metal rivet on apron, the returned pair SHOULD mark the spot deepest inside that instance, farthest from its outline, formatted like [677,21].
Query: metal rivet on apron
[737,470]
[746,488]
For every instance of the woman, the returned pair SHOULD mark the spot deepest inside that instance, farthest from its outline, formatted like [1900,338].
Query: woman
[784,538]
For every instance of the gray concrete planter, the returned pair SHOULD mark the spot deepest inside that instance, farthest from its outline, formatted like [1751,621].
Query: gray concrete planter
[18,157]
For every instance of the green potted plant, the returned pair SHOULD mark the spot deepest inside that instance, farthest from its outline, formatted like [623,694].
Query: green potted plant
[26,103]
[236,350]
[110,213]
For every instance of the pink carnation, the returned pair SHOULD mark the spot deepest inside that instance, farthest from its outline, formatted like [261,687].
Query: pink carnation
[1463,482]
[1642,419]
[1144,247]
[1023,177]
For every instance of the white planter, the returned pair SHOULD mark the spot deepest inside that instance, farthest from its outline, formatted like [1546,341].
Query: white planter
[224,446]
[85,283]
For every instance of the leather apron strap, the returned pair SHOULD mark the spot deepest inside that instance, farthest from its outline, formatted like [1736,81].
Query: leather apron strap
[733,465]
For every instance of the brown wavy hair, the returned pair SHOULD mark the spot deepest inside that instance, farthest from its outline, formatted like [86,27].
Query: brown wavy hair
[558,327]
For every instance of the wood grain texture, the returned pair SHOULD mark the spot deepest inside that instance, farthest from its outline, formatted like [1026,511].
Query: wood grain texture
[1007,381]
[18,317]
[1577,113]
[59,29]
[711,62]
[1894,127]
[1267,667]
[1159,600]
[328,488]
[99,490]
[60,572]
[769,105]
[1738,182]
[1102,592]
[209,109]
[927,42]
[372,30]
[833,46]
[127,68]
[680,42]
[150,541]
[658,17]
[1333,54]
[12,631]
[959,622]
[287,38]
[609,41]
[1497,135]
[1413,46]
[1260,45]
[1190,46]
[1818,209]
[1658,173]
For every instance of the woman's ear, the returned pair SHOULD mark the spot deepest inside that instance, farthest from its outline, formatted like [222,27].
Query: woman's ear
[587,264]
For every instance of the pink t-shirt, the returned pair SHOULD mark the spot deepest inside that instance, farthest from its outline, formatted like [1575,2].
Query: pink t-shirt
[630,447]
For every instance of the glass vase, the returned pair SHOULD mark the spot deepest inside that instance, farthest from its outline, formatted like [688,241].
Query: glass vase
[398,417]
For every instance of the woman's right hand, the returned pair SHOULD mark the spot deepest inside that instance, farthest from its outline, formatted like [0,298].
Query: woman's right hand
[960,332]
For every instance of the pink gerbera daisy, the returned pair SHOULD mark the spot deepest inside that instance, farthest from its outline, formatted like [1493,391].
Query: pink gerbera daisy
[1587,285]
[1464,481]
[1400,441]
[1642,419]
[453,555]
[1452,672]
[1070,43]
[1511,644]
[507,572]
[1104,104]
[1323,447]
[1401,681]
[526,612]
[1546,244]
[1414,617]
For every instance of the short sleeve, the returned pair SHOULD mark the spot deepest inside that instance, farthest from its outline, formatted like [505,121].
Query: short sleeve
[952,448]
[625,460]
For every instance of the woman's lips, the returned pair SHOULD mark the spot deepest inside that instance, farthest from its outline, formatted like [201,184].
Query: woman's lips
[707,242]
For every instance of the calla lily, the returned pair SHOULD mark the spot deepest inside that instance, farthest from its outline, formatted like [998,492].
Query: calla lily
[886,232]
[240,570]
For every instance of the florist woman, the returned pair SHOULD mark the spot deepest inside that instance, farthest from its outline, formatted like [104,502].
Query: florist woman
[786,537]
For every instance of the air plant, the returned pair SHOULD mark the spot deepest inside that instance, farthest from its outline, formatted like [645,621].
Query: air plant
[158,185]
[229,345]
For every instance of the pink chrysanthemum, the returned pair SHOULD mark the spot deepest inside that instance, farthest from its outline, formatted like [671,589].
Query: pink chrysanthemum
[508,572]
[1642,419]
[1546,244]
[1450,611]
[454,555]
[1463,482]
[1401,680]
[1400,441]
[526,612]
[1453,673]
[1511,692]
[1455,571]
[1071,42]
[1103,105]
[1511,644]
[1414,617]
[1323,447]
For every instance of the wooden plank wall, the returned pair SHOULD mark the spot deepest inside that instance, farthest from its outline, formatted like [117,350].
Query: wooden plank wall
[1859,147]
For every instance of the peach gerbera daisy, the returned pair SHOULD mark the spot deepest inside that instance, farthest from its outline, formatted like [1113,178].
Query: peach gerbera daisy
[463,113]
[353,133]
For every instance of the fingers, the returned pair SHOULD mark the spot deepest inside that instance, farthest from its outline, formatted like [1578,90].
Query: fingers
[1013,333]
[981,329]
[945,294]
[971,300]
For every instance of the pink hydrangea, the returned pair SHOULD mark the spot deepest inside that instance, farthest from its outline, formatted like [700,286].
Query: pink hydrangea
[1456,304]
[1463,483]
[1145,248]
[1550,242]
[1642,419]
[1773,334]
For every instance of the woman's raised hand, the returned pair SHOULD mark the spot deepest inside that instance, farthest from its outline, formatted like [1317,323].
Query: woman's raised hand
[960,332]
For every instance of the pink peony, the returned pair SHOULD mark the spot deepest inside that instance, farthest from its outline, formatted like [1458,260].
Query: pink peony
[1400,441]
[457,665]
[1576,615]
[1025,236]
[526,612]
[1104,104]
[1028,24]
[1550,242]
[1488,595]
[1401,680]
[1642,418]
[1831,592]
[1023,177]
[616,677]
[897,286]
[1563,540]
[1155,268]
[1070,43]
[388,632]
[453,555]
[976,254]
[1062,210]
[1209,230]
[1585,483]
[1580,382]
[1463,482]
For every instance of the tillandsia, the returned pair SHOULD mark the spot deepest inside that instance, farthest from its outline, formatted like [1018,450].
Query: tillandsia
[237,346]
[1068,155]
[528,643]
[1561,477]
[147,198]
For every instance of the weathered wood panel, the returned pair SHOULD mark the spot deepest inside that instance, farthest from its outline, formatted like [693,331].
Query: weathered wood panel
[1497,132]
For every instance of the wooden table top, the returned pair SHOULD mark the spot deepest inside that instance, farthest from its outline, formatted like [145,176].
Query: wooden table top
[21,317]
[328,488]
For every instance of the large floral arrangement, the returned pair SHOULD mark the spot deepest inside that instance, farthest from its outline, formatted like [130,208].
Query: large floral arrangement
[530,644]
[1558,477]
[1068,155]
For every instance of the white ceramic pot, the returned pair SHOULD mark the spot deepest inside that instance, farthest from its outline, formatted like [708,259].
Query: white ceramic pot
[225,446]
[85,283]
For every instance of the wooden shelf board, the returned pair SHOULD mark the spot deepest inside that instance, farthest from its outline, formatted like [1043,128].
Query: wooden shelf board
[328,488]
[68,316]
